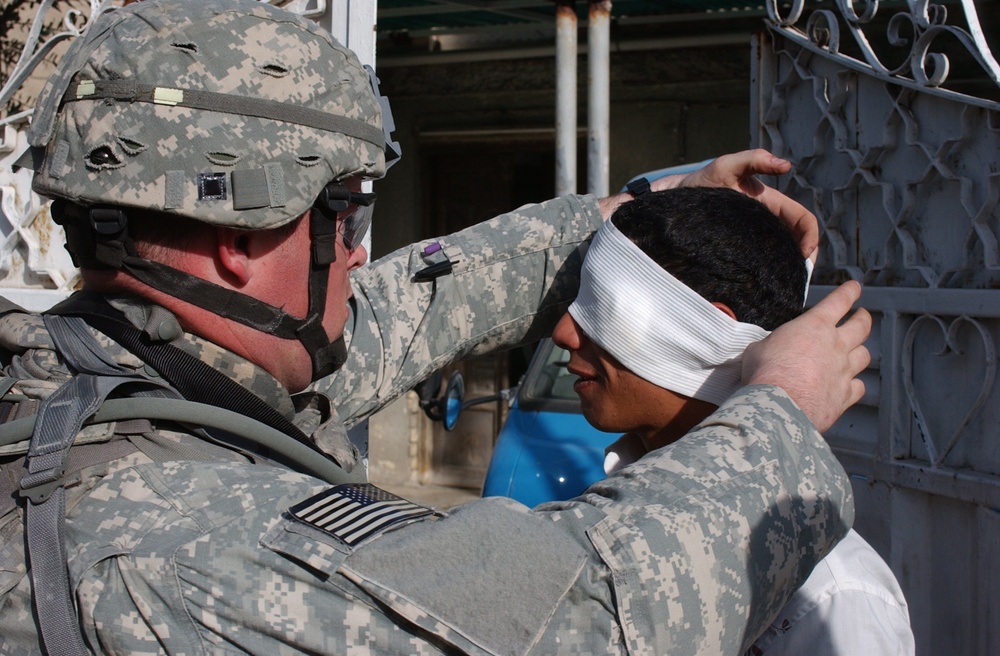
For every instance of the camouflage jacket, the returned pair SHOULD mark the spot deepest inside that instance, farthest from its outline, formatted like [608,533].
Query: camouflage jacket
[183,547]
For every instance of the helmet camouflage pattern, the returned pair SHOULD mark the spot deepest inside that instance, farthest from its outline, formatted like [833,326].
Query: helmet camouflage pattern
[231,112]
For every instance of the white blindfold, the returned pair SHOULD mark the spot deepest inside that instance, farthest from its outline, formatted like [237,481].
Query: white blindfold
[657,326]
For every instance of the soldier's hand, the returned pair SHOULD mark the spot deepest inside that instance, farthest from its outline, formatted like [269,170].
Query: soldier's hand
[738,171]
[814,359]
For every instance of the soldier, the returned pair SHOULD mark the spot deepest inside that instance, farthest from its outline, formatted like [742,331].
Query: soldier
[175,490]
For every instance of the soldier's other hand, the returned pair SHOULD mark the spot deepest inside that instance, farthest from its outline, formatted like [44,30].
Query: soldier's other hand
[815,357]
[738,171]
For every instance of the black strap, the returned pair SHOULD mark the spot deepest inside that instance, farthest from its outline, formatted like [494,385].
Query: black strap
[195,380]
[7,307]
[60,418]
[106,243]
[638,187]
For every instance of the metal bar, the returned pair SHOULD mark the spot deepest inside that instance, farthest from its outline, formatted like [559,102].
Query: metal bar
[599,94]
[566,119]
[493,8]
[986,57]
[536,52]
[516,29]
[463,7]
[352,23]
[984,303]
[502,133]
[890,77]
[963,485]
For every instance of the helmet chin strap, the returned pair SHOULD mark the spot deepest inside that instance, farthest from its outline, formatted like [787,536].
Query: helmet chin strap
[98,237]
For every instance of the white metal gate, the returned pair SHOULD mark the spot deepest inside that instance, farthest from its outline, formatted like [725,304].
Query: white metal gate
[904,175]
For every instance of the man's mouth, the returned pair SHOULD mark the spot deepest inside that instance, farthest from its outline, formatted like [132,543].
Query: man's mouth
[578,371]
[584,376]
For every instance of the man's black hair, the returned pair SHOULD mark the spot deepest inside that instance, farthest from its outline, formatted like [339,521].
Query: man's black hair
[726,246]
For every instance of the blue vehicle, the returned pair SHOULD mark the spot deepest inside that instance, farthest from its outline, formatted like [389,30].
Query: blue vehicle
[546,450]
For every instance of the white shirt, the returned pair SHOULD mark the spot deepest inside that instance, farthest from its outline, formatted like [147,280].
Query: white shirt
[851,604]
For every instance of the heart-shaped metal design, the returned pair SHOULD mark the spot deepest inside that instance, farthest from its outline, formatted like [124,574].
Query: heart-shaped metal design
[951,347]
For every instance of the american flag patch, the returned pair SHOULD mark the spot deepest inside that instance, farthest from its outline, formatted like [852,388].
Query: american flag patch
[353,513]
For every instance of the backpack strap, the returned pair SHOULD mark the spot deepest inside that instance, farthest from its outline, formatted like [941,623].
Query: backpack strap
[59,420]
[283,450]
[60,417]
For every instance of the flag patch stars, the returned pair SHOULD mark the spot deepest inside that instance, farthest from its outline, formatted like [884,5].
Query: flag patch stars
[354,513]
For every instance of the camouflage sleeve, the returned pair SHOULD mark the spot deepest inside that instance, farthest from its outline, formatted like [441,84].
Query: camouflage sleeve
[512,278]
[691,550]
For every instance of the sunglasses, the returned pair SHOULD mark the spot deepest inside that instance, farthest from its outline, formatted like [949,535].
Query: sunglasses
[335,200]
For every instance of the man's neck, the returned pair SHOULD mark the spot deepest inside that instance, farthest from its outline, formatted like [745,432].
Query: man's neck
[146,315]
[691,413]
[285,360]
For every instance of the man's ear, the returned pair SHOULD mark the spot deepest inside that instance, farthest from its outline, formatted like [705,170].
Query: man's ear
[233,255]
[725,308]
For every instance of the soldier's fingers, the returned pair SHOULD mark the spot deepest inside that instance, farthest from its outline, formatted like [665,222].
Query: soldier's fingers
[736,166]
[739,171]
[735,170]
[857,328]
[800,221]
[857,391]
[858,359]
[837,304]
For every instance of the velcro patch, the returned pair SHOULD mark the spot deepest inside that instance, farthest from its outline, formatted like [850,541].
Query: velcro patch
[356,512]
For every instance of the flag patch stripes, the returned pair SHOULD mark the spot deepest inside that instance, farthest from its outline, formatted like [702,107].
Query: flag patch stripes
[353,513]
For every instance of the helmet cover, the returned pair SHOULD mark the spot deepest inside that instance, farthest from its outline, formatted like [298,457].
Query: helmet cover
[230,112]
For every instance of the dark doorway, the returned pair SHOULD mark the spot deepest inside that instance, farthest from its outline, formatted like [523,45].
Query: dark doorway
[467,177]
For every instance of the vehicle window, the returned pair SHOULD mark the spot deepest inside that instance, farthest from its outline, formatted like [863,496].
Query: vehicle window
[548,380]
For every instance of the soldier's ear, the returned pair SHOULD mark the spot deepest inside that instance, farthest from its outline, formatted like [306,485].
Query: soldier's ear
[725,308]
[233,255]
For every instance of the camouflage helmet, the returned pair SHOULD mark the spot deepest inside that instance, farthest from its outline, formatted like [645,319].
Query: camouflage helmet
[231,112]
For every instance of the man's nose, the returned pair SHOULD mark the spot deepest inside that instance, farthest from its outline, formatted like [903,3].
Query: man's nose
[358,257]
[567,333]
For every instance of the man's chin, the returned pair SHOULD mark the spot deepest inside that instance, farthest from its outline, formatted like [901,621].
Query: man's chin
[596,419]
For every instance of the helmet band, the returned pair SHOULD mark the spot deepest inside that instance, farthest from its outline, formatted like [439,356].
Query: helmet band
[131,91]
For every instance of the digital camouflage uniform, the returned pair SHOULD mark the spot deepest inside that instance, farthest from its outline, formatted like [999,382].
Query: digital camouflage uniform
[181,545]
[691,550]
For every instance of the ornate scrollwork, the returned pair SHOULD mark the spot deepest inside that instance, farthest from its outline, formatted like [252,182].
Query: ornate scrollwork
[74,23]
[913,32]
[30,252]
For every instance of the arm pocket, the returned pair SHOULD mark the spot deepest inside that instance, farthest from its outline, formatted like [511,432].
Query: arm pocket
[486,579]
[306,545]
